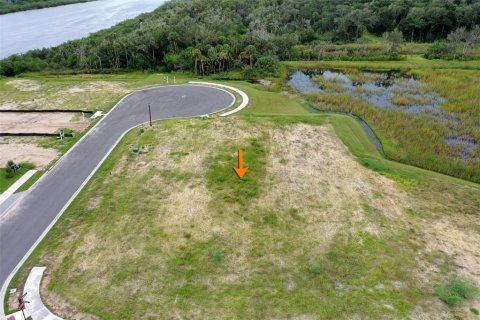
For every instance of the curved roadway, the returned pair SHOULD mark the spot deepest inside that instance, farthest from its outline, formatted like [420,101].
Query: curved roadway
[22,225]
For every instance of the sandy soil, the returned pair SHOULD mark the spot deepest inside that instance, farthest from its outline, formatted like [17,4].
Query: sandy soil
[25,85]
[25,152]
[97,86]
[40,122]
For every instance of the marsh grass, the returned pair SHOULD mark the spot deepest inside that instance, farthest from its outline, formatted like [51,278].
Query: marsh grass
[406,100]
[417,140]
[411,139]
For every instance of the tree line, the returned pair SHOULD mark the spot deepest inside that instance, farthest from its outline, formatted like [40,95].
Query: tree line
[209,36]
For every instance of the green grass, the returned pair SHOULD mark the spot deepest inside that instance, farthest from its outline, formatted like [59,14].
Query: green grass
[455,290]
[229,189]
[411,62]
[5,182]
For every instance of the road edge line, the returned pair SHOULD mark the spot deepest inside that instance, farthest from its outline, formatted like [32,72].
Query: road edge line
[245,99]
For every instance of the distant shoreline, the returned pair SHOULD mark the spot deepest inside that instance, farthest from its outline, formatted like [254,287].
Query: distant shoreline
[6,8]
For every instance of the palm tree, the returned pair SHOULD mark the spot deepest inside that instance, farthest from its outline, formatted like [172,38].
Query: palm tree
[250,52]
[173,39]
[196,55]
[224,55]
[212,56]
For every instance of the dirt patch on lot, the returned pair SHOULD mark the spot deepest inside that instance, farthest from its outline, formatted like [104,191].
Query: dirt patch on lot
[24,152]
[455,237]
[11,122]
[98,86]
[335,190]
[25,85]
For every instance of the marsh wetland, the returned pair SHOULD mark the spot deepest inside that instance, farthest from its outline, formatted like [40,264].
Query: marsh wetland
[381,98]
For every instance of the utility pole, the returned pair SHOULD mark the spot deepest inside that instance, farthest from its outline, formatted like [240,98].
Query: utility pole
[150,114]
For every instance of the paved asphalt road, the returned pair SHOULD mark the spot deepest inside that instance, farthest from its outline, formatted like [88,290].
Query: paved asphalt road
[22,225]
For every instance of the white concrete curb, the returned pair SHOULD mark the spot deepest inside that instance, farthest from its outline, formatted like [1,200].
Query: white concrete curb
[244,96]
[14,187]
[35,307]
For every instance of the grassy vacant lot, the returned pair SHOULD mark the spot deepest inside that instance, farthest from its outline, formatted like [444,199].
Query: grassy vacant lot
[310,232]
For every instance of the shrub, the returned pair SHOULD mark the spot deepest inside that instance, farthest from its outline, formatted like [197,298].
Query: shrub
[455,290]
[248,72]
[9,173]
[267,65]
[474,311]
[440,50]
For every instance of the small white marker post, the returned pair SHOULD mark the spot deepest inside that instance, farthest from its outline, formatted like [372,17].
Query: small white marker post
[83,116]
[167,79]
[174,80]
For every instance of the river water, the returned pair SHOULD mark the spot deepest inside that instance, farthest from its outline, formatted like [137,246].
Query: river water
[43,28]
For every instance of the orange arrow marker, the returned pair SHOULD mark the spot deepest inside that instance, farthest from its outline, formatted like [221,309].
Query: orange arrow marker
[240,170]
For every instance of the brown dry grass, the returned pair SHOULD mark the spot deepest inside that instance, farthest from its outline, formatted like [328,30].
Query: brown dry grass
[310,163]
